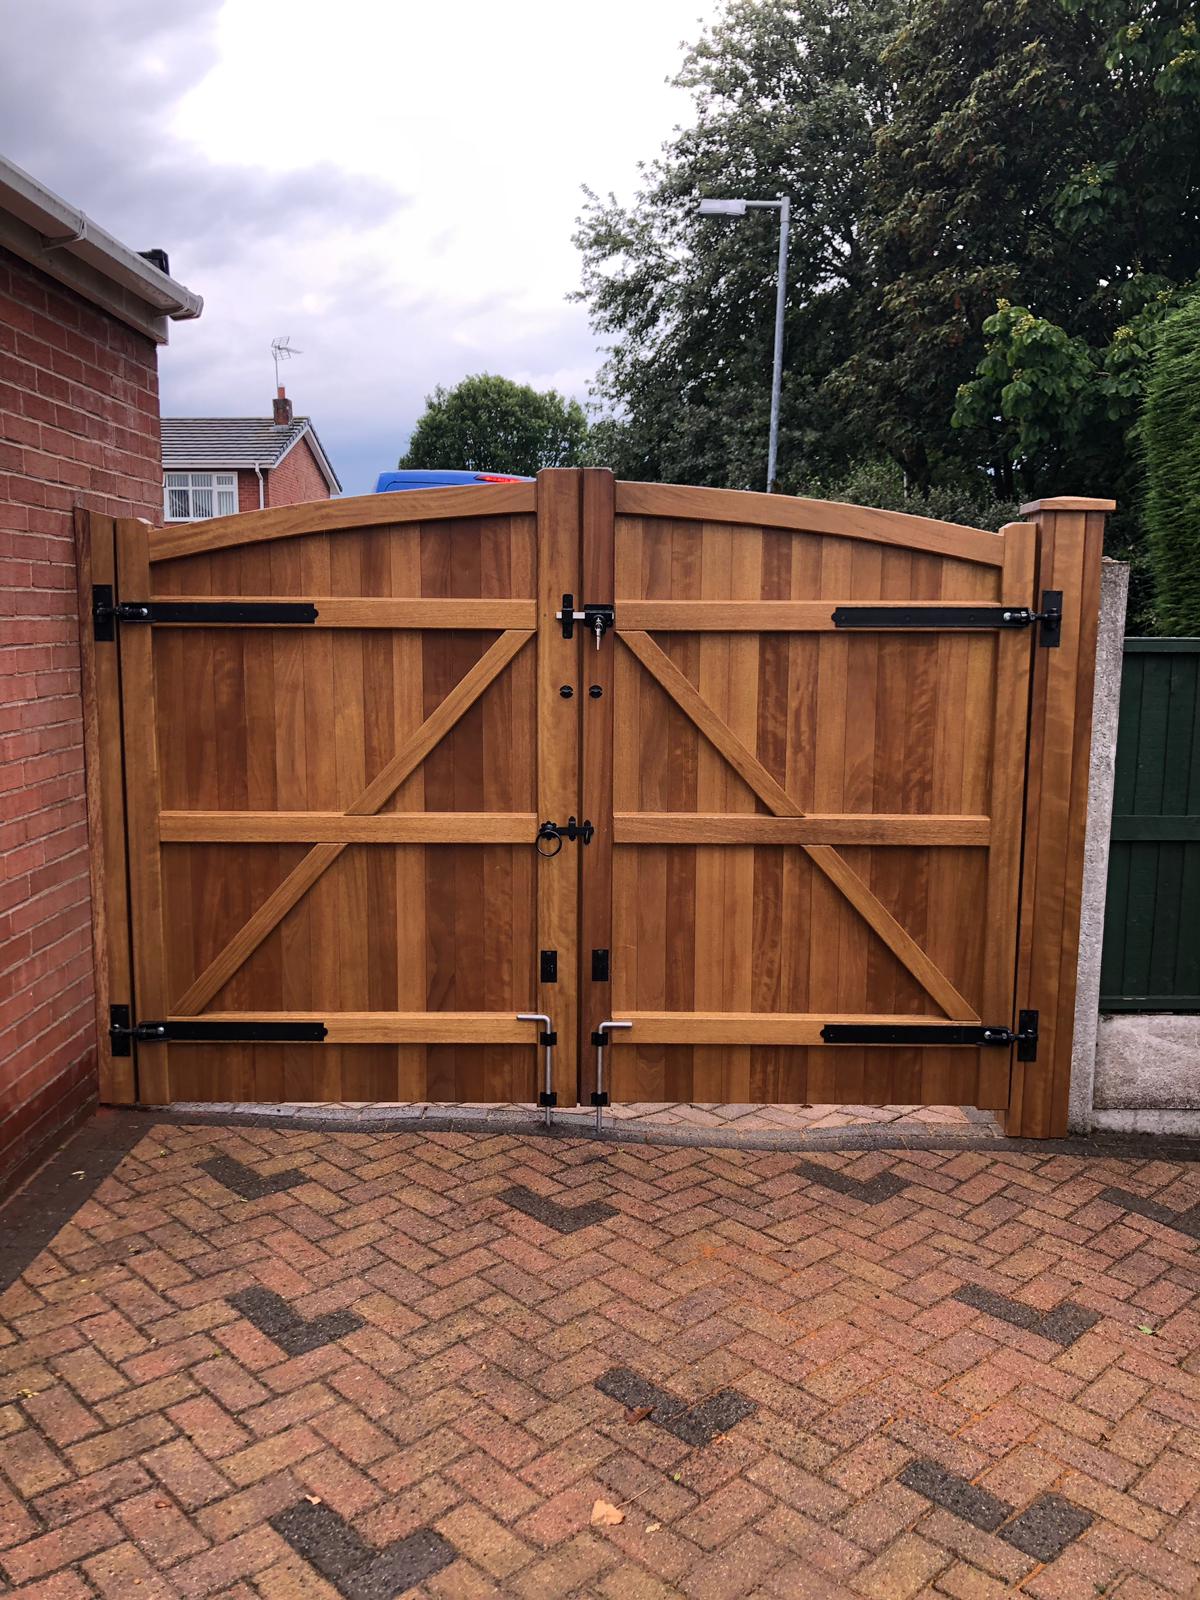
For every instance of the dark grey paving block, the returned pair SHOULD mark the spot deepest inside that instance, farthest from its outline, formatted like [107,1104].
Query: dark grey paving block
[870,1191]
[1064,1324]
[966,1500]
[565,1219]
[244,1181]
[1185,1222]
[1001,1306]
[356,1570]
[1047,1527]
[697,1424]
[283,1324]
[1067,1322]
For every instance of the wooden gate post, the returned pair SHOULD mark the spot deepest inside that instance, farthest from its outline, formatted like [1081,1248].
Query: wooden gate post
[1070,546]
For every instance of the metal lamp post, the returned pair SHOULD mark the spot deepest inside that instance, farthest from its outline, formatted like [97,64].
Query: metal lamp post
[739,208]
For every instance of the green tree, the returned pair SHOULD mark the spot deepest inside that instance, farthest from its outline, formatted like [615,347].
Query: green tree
[788,95]
[1038,162]
[1170,431]
[490,424]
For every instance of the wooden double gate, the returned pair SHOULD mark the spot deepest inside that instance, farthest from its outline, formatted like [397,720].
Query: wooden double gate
[793,790]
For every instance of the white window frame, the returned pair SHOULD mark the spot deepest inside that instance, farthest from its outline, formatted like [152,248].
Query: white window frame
[196,496]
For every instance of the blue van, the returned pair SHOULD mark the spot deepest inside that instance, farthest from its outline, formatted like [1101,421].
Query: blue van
[439,478]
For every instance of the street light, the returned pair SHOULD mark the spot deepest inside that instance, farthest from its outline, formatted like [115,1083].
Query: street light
[739,208]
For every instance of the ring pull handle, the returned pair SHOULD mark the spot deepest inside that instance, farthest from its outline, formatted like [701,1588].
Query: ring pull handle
[549,830]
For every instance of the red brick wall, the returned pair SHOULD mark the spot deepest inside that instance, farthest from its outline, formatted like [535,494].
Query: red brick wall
[247,483]
[296,478]
[78,426]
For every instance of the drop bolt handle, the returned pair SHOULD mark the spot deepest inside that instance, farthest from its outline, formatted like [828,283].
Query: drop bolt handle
[600,1040]
[547,1038]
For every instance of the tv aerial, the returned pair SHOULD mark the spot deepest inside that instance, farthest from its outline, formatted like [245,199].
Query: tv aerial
[281,350]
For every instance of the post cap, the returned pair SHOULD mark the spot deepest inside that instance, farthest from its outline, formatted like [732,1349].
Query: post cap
[1067,502]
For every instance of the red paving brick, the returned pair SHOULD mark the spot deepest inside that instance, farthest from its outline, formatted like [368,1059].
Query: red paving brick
[804,1344]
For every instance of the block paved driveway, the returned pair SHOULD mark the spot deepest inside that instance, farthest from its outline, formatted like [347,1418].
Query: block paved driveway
[266,1362]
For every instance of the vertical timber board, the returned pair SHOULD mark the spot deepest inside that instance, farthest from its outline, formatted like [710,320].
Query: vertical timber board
[1010,746]
[140,738]
[558,666]
[1070,547]
[598,579]
[105,789]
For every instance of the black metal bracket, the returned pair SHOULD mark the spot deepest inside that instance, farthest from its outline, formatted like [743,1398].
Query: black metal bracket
[1027,1035]
[122,1031]
[548,967]
[600,966]
[915,1033]
[940,618]
[107,612]
[596,619]
[547,1097]
[599,1097]
[584,831]
[548,1036]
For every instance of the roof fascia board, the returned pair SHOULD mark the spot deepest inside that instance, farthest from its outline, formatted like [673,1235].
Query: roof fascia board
[44,230]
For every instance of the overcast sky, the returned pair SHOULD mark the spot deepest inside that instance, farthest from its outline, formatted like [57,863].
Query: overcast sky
[392,184]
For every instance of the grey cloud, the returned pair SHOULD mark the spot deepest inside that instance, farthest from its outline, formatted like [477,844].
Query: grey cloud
[86,94]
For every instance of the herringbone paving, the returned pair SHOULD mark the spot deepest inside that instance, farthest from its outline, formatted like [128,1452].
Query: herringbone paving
[303,1363]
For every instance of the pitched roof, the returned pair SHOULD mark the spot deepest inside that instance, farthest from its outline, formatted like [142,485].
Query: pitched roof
[203,443]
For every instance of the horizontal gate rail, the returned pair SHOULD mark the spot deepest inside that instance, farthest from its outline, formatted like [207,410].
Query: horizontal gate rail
[870,828]
[335,827]
[792,1028]
[318,611]
[348,1027]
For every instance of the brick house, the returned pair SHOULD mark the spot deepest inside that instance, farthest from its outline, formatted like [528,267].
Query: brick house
[215,466]
[81,319]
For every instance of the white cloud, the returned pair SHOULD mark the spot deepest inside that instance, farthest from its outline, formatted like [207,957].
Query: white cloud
[393,184]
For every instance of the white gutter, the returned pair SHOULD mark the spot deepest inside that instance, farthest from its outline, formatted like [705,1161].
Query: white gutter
[44,230]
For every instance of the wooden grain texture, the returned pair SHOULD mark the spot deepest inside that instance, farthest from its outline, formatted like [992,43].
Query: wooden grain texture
[400,1027]
[763,616]
[350,512]
[95,563]
[728,1028]
[597,581]
[686,827]
[737,508]
[305,874]
[1070,548]
[803,817]
[559,508]
[337,611]
[140,746]
[313,827]
[834,865]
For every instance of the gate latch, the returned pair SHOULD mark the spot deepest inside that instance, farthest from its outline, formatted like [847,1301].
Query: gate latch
[597,619]
[583,831]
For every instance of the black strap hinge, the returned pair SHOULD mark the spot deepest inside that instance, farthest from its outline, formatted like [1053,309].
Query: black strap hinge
[888,618]
[107,611]
[123,1031]
[906,1034]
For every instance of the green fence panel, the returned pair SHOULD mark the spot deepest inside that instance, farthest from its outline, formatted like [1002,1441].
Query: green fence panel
[1151,956]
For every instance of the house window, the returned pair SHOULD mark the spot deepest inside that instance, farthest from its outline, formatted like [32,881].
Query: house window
[188,496]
